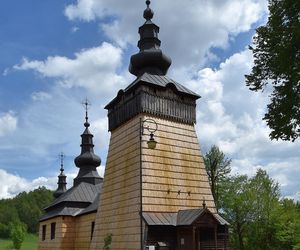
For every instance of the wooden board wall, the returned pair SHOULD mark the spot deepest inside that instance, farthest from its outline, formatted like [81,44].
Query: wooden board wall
[175,165]
[83,231]
[174,175]
[64,234]
[119,208]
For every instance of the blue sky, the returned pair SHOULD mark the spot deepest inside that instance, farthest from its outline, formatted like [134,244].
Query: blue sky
[55,53]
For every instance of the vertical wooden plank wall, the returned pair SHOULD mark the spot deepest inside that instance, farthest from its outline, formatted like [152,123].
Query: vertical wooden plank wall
[174,175]
[83,231]
[118,212]
[64,234]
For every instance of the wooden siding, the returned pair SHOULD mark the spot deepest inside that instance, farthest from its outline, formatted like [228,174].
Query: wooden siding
[119,208]
[72,233]
[174,175]
[64,234]
[83,231]
[173,179]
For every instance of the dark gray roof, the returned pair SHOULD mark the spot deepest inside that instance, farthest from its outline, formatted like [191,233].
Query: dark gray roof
[187,217]
[182,218]
[61,211]
[161,81]
[84,192]
[160,219]
[93,207]
[78,200]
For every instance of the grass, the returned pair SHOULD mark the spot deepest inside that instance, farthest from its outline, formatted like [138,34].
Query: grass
[30,242]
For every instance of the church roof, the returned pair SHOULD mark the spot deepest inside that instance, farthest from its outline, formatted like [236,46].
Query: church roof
[84,196]
[74,201]
[181,218]
[161,81]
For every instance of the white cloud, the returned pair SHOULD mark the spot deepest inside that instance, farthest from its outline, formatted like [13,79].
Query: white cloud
[8,123]
[212,22]
[40,96]
[230,116]
[13,184]
[93,69]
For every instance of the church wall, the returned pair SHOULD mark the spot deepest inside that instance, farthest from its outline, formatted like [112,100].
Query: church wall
[84,231]
[174,175]
[119,208]
[64,235]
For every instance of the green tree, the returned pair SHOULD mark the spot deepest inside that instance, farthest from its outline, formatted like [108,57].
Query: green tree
[276,53]
[218,167]
[236,207]
[249,204]
[265,195]
[17,234]
[286,219]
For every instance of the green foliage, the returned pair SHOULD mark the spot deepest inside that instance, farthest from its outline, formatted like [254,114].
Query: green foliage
[218,167]
[276,53]
[26,208]
[258,219]
[107,241]
[17,234]
[30,243]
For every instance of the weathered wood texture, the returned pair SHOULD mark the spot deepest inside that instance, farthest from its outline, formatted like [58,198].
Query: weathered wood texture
[173,179]
[83,237]
[72,233]
[174,175]
[64,234]
[119,208]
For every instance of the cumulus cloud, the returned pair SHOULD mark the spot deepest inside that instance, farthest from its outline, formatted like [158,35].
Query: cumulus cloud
[13,184]
[212,23]
[230,116]
[8,123]
[94,69]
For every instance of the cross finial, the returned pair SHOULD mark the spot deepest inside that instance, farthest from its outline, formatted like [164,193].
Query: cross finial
[86,105]
[62,156]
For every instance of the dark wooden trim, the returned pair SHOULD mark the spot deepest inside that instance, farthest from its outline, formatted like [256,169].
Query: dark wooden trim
[145,100]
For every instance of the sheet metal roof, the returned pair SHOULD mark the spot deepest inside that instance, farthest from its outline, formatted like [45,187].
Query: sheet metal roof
[84,192]
[162,81]
[182,218]
[160,219]
[78,200]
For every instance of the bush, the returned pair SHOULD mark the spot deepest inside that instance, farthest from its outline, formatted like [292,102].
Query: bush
[107,241]
[17,234]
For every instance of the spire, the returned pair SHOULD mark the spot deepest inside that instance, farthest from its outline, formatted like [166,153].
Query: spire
[87,161]
[150,59]
[62,184]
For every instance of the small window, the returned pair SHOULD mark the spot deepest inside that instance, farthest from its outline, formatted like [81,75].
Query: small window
[44,232]
[53,226]
[92,229]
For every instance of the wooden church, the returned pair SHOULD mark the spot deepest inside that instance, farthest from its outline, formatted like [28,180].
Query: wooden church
[155,193]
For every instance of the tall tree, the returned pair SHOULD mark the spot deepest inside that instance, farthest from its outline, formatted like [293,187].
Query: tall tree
[276,51]
[218,167]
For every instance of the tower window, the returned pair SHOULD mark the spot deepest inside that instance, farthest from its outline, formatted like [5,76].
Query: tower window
[92,229]
[53,226]
[44,232]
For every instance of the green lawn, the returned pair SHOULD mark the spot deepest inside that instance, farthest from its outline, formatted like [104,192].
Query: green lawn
[30,243]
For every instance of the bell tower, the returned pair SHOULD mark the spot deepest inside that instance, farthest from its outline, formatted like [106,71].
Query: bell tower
[150,187]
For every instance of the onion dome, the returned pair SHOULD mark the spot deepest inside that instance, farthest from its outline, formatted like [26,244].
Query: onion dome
[62,183]
[150,58]
[87,161]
